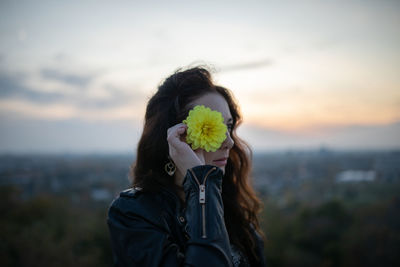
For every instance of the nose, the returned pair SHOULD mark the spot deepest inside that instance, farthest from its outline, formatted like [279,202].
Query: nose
[228,143]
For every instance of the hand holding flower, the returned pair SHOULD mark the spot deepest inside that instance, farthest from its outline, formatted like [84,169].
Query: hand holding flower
[181,153]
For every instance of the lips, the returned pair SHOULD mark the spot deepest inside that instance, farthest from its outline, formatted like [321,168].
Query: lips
[221,161]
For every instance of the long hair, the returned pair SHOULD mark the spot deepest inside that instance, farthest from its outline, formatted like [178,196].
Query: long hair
[168,107]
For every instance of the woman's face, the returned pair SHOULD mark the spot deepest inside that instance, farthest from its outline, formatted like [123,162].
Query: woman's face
[217,102]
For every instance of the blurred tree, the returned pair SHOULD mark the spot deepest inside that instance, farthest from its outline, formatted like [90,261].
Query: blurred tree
[374,238]
[50,231]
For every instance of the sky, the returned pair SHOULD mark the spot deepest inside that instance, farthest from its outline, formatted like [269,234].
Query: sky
[75,76]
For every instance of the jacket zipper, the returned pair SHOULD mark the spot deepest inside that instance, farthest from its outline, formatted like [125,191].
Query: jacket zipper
[202,200]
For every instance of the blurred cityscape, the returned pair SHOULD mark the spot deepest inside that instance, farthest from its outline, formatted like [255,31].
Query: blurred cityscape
[304,175]
[323,175]
[67,196]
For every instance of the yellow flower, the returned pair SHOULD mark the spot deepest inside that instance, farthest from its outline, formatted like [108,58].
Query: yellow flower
[206,128]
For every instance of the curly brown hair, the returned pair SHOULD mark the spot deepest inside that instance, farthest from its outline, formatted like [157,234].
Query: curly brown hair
[169,106]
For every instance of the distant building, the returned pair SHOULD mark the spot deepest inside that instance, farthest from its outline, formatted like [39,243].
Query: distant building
[355,176]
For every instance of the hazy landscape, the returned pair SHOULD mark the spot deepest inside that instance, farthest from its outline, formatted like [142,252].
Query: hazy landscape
[321,208]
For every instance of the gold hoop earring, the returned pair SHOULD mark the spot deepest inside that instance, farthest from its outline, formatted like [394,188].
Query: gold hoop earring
[170,167]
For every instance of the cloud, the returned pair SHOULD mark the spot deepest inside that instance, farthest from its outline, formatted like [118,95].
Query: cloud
[11,86]
[16,86]
[248,65]
[32,96]
[68,78]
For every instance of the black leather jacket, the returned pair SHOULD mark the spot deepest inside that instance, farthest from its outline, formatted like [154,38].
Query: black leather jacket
[155,229]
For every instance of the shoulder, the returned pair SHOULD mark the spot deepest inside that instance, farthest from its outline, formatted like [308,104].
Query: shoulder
[136,224]
[133,204]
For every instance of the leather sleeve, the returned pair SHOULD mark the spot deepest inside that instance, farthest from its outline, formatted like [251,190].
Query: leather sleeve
[139,239]
[209,242]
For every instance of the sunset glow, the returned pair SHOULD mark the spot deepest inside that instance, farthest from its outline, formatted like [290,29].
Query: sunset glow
[297,69]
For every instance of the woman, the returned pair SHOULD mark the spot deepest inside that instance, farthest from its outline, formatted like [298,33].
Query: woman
[188,206]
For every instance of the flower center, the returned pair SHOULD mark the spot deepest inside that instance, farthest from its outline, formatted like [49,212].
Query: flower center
[206,129]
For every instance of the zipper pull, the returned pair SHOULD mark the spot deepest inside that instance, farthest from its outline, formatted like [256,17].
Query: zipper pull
[202,194]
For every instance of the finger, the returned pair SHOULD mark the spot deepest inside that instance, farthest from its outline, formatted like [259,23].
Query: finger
[173,129]
[174,137]
[181,130]
[176,134]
